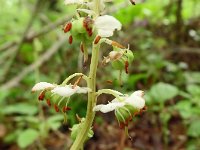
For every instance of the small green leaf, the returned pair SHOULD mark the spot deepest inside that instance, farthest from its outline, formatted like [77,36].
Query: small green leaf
[192,77]
[193,89]
[27,137]
[194,129]
[163,91]
[55,122]
[185,108]
[37,45]
[22,108]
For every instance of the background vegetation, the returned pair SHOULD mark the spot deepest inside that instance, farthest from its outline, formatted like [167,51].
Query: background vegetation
[165,39]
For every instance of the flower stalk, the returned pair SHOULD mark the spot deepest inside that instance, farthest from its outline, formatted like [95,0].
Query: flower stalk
[91,27]
[81,137]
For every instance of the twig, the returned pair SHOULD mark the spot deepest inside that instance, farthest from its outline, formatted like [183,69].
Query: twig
[18,47]
[45,57]
[48,28]
[7,45]
[6,54]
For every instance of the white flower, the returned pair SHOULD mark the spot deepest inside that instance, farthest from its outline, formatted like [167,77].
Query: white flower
[71,2]
[42,86]
[68,90]
[106,25]
[136,100]
[109,107]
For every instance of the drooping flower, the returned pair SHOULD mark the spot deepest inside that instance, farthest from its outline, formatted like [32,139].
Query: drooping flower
[57,95]
[106,25]
[42,86]
[126,108]
[68,90]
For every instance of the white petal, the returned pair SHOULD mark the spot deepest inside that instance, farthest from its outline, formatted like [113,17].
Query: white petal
[105,33]
[83,90]
[106,25]
[136,101]
[65,91]
[69,2]
[109,107]
[91,5]
[42,86]
[138,93]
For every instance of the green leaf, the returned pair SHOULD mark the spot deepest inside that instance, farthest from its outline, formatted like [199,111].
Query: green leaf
[3,95]
[22,108]
[192,77]
[55,122]
[27,137]
[163,91]
[37,45]
[185,108]
[193,89]
[194,129]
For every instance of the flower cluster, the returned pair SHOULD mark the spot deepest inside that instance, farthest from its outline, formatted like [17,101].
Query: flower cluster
[86,27]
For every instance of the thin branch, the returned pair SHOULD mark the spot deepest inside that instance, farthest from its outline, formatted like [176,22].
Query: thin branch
[45,57]
[48,28]
[20,44]
[7,45]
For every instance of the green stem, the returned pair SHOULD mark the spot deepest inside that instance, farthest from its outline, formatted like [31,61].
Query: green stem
[81,137]
[91,83]
[112,92]
[74,75]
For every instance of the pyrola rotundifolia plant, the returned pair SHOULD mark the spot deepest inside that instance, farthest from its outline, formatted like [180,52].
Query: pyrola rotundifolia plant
[91,28]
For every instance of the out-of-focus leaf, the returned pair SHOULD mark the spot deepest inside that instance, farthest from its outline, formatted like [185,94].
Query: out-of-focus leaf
[185,108]
[194,89]
[55,122]
[192,77]
[162,92]
[31,119]
[3,96]
[11,137]
[27,137]
[22,108]
[37,45]
[194,129]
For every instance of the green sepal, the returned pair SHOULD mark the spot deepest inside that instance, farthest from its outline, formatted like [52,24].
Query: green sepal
[125,113]
[129,55]
[118,64]
[48,94]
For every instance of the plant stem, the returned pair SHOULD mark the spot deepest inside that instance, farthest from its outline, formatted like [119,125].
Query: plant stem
[91,83]
[81,137]
[112,92]
[74,75]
